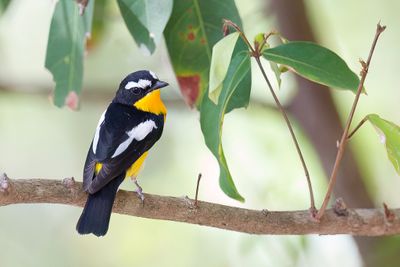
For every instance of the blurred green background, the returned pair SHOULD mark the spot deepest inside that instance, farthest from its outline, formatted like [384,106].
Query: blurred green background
[38,140]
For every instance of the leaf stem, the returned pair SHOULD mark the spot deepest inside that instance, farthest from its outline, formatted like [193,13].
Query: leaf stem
[282,110]
[343,141]
[264,41]
[256,53]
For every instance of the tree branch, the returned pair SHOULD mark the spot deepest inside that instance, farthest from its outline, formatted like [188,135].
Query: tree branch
[367,222]
[344,139]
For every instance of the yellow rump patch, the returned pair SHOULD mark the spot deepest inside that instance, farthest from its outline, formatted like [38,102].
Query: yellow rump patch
[98,168]
[152,103]
[135,168]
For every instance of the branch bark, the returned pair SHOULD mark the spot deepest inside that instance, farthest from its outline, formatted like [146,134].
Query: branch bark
[366,222]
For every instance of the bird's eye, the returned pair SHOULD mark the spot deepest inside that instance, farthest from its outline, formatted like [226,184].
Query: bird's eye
[136,91]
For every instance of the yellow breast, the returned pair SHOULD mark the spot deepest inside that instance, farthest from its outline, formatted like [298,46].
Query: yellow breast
[152,103]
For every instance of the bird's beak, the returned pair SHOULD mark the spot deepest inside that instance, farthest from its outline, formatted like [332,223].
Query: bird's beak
[158,85]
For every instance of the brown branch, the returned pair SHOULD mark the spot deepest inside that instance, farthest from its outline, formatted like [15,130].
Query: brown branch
[367,222]
[343,140]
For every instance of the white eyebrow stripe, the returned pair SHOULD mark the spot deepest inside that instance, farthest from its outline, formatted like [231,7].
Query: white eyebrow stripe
[97,134]
[142,83]
[153,75]
[139,132]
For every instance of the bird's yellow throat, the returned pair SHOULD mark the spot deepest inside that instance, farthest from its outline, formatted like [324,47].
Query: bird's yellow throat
[152,103]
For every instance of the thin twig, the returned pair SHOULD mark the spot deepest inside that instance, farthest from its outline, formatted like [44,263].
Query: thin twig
[366,222]
[257,54]
[197,190]
[343,141]
[265,38]
[357,127]
[282,110]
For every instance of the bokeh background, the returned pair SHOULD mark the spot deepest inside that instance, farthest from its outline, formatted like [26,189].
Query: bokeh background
[39,140]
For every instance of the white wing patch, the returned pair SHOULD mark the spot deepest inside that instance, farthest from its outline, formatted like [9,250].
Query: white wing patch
[97,134]
[138,133]
[153,75]
[142,83]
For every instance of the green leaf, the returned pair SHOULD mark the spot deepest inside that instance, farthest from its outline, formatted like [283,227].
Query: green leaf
[146,20]
[315,63]
[259,39]
[3,5]
[389,134]
[221,57]
[65,48]
[235,93]
[99,23]
[193,29]
[277,71]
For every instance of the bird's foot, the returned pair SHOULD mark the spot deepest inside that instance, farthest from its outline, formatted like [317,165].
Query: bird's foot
[139,191]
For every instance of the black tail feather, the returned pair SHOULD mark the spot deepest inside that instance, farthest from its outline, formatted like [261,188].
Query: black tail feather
[96,214]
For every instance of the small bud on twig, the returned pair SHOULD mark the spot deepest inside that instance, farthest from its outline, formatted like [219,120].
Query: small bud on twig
[68,182]
[340,207]
[189,202]
[380,28]
[225,29]
[4,183]
[388,213]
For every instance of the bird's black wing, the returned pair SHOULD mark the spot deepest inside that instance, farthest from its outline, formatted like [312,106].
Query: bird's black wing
[119,144]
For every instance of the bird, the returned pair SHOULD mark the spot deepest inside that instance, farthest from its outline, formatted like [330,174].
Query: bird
[129,127]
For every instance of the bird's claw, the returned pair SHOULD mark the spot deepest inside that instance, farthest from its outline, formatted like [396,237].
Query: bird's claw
[139,191]
[140,194]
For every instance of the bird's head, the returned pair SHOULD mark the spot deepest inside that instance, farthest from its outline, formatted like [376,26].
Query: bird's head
[140,86]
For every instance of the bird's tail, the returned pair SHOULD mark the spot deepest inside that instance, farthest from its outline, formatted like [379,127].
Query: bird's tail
[96,214]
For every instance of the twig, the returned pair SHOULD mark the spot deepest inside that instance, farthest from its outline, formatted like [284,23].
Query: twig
[260,47]
[197,190]
[343,141]
[237,28]
[357,127]
[256,54]
[282,110]
[366,222]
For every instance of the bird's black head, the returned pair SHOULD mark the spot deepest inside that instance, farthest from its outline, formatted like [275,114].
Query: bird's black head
[137,85]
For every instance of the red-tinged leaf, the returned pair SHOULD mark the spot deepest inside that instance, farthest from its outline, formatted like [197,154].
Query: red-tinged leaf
[193,29]
[72,100]
[189,86]
[66,46]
